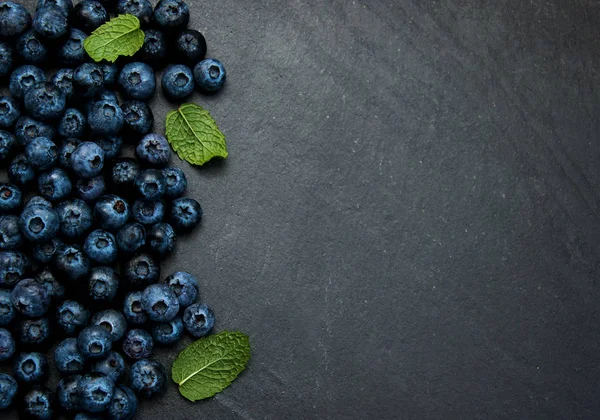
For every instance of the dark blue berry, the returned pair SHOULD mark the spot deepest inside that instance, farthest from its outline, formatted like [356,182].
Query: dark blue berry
[72,52]
[11,198]
[30,298]
[87,160]
[160,303]
[6,58]
[185,287]
[148,212]
[67,393]
[33,331]
[112,321]
[38,223]
[30,367]
[30,47]
[72,124]
[141,9]
[154,49]
[110,72]
[133,310]
[65,5]
[72,316]
[94,342]
[20,170]
[41,153]
[190,47]
[7,311]
[171,15]
[7,143]
[71,260]
[137,81]
[10,234]
[14,19]
[63,79]
[95,392]
[38,404]
[150,184]
[186,213]
[106,95]
[88,80]
[13,266]
[53,287]
[28,129]
[162,239]
[90,189]
[138,117]
[45,101]
[9,111]
[124,404]
[44,252]
[177,82]
[154,149]
[105,118]
[198,319]
[138,344]
[7,345]
[88,15]
[8,390]
[142,270]
[111,212]
[38,200]
[54,184]
[75,218]
[101,246]
[111,145]
[112,366]
[131,237]
[23,78]
[168,332]
[124,172]
[148,377]
[103,284]
[209,75]
[51,23]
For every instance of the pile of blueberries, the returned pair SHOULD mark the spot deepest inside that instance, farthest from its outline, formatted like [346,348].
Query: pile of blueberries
[82,227]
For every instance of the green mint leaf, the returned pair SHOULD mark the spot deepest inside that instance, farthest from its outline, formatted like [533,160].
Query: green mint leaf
[120,36]
[209,365]
[194,135]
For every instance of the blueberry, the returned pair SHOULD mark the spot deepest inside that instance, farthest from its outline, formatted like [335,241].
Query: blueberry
[71,316]
[51,23]
[20,170]
[63,79]
[111,145]
[65,5]
[105,118]
[124,172]
[71,260]
[75,218]
[148,377]
[10,235]
[67,392]
[186,213]
[7,311]
[106,95]
[110,72]
[141,9]
[103,284]
[7,345]
[87,160]
[44,252]
[30,367]
[38,200]
[162,239]
[150,184]
[30,47]
[88,80]
[131,237]
[8,390]
[138,344]
[154,149]
[94,342]
[90,189]
[10,198]
[168,332]
[6,58]
[72,124]
[7,143]
[101,247]
[138,117]
[160,303]
[41,153]
[54,184]
[28,129]
[23,78]
[33,331]
[14,19]
[30,298]
[154,49]
[111,212]
[9,111]
[185,287]
[132,308]
[88,15]
[142,270]
[137,81]
[53,287]
[177,82]
[209,75]
[112,321]
[72,52]
[171,15]
[112,366]
[38,404]
[67,357]
[148,212]
[198,319]
[190,46]
[45,101]
[13,266]
[38,223]
[95,392]
[124,404]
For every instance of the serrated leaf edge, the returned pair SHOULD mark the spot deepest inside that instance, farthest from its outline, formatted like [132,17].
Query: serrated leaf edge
[87,41]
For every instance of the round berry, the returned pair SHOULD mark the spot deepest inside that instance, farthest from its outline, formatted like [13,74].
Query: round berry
[72,124]
[124,403]
[177,82]
[54,184]
[14,19]
[209,75]
[103,284]
[30,367]
[50,22]
[23,78]
[94,342]
[33,331]
[138,344]
[148,212]
[111,212]
[162,239]
[112,321]
[6,58]
[13,266]
[75,218]
[63,79]
[186,213]
[141,9]
[10,198]
[87,160]
[137,81]
[142,270]
[88,15]
[67,392]
[38,403]
[45,101]
[171,15]
[154,150]
[150,184]
[190,46]
[88,79]
[8,390]
[138,117]
[168,332]
[198,319]
[7,143]
[67,357]
[160,303]
[9,111]
[10,234]
[101,246]
[71,260]
[72,316]
[90,189]
[7,345]
[131,237]
[185,286]
[72,52]
[148,377]
[95,392]
[41,153]
[38,223]
[105,118]
[112,366]
[7,311]
[154,49]
[132,308]
[111,145]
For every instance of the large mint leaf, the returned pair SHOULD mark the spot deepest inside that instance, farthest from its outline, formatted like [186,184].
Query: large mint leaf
[210,364]
[120,36]
[194,135]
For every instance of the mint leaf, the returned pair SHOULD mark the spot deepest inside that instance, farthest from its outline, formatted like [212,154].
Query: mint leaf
[209,365]
[194,135]
[120,36]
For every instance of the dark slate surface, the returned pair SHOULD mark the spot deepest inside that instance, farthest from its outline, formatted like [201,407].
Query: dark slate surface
[407,225]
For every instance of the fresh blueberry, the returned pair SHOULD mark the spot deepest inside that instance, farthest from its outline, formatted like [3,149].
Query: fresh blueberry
[110,72]
[137,81]
[90,189]
[38,223]
[14,19]
[186,213]
[176,182]
[23,78]
[105,118]
[53,287]
[72,52]
[94,342]
[8,390]
[33,331]
[177,82]
[150,184]
[171,15]
[138,344]
[111,145]
[138,117]
[185,287]
[30,47]
[10,198]
[141,9]
[87,160]
[154,150]
[103,284]
[6,58]
[160,303]
[9,111]
[7,143]
[54,184]
[13,266]
[112,366]
[7,345]
[75,218]
[72,316]
[28,129]
[132,308]
[95,392]
[51,23]
[45,101]
[190,46]
[131,237]
[123,405]
[38,200]
[41,153]
[148,377]
[106,95]
[30,367]
[71,260]
[63,79]
[67,357]
[88,80]
[44,252]
[198,319]
[154,49]
[10,234]
[7,311]
[142,270]
[168,332]
[111,212]
[162,239]
[38,404]
[67,392]
[148,212]
[124,172]
[20,170]
[65,5]
[88,15]
[209,75]
[30,298]
[101,247]
[72,124]
[112,321]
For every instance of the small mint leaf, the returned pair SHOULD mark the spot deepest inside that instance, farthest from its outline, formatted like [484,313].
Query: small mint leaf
[120,36]
[194,135]
[209,365]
